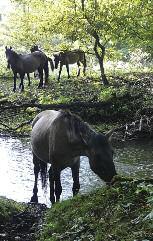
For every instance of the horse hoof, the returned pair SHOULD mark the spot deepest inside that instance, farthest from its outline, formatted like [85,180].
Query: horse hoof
[39,86]
[34,199]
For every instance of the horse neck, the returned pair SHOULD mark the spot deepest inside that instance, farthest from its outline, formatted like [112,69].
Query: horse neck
[14,57]
[87,135]
[88,138]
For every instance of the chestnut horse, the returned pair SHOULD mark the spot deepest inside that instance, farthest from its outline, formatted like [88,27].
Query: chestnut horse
[70,57]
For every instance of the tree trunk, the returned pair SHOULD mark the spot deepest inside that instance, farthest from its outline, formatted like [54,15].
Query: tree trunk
[82,3]
[100,56]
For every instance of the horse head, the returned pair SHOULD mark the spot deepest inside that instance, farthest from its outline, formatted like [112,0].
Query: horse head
[8,53]
[56,60]
[34,48]
[101,157]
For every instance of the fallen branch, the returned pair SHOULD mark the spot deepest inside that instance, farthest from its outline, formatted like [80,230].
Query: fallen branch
[74,105]
[23,124]
[17,127]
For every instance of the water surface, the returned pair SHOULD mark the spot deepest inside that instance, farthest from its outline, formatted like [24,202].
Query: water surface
[17,178]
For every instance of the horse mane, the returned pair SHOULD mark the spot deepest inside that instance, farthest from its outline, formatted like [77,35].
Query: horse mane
[16,55]
[77,128]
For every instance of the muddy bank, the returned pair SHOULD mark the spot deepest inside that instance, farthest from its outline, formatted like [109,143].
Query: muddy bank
[25,225]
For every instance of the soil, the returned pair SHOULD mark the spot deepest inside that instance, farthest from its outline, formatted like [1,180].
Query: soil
[24,226]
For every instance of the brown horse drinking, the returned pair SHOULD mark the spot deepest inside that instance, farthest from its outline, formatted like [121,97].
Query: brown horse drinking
[70,57]
[27,63]
[60,138]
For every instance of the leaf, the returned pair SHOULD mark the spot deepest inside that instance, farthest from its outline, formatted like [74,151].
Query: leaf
[149,216]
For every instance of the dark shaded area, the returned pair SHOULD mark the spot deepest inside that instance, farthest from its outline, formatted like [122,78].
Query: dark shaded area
[24,226]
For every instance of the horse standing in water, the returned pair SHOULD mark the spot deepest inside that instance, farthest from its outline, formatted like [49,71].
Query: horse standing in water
[27,63]
[70,57]
[60,138]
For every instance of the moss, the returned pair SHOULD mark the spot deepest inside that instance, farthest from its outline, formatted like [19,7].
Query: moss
[118,213]
[8,208]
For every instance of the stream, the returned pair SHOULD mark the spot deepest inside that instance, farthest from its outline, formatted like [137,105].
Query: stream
[17,178]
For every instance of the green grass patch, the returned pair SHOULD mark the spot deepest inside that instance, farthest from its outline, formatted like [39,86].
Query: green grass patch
[8,208]
[120,213]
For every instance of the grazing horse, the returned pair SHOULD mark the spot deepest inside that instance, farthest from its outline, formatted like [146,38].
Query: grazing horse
[60,138]
[70,57]
[27,63]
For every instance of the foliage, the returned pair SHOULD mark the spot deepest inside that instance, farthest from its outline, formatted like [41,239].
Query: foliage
[117,213]
[52,24]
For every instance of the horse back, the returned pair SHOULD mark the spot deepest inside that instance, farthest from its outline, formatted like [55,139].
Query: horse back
[72,57]
[41,131]
[54,139]
[31,62]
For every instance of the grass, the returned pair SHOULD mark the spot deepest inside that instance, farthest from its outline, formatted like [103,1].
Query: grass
[121,213]
[8,208]
[88,89]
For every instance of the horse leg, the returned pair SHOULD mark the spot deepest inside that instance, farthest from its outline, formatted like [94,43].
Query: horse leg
[28,76]
[21,83]
[46,70]
[40,70]
[75,175]
[51,180]
[67,67]
[78,63]
[15,76]
[61,66]
[58,187]
[84,65]
[34,198]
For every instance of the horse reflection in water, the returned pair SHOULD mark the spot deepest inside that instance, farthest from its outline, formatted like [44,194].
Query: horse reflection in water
[70,57]
[60,138]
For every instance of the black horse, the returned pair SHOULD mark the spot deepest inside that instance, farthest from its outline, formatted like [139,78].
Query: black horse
[70,57]
[28,75]
[36,48]
[27,63]
[60,138]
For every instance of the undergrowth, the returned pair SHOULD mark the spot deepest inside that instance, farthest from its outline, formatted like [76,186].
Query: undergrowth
[121,213]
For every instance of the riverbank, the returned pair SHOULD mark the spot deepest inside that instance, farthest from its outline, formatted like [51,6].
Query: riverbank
[122,212]
[20,221]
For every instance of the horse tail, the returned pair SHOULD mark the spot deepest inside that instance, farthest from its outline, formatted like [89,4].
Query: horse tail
[43,174]
[51,63]
[46,69]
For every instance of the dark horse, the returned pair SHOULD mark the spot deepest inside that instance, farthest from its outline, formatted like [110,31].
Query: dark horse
[70,57]
[28,75]
[60,138]
[36,48]
[27,63]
